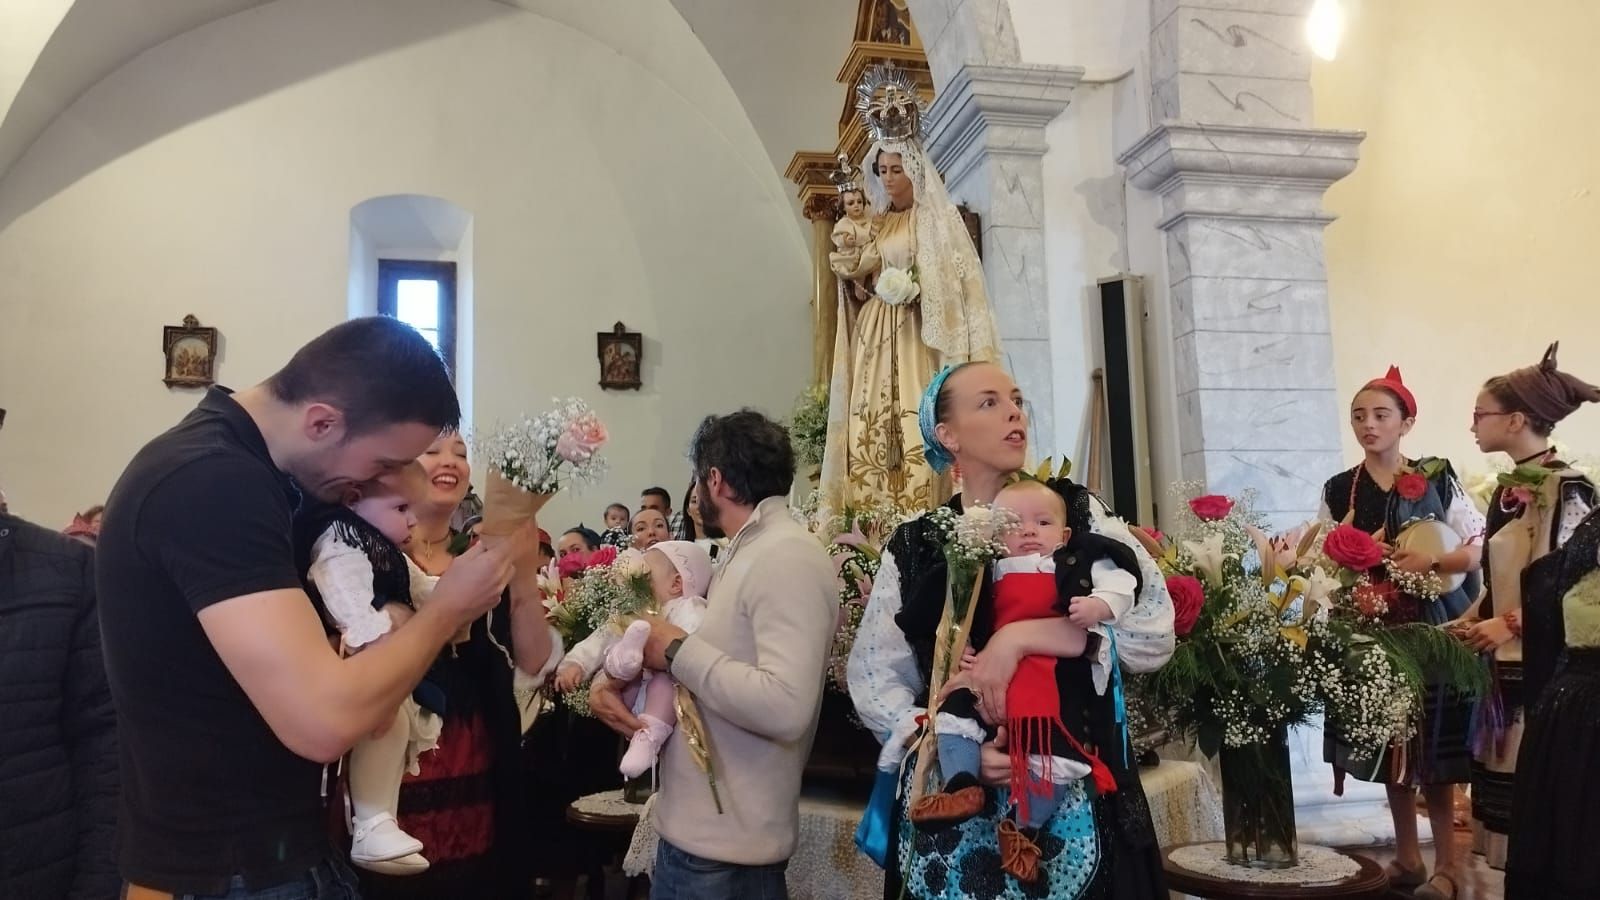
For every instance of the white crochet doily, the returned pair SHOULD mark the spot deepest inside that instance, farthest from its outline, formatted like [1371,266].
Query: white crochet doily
[607,803]
[1317,865]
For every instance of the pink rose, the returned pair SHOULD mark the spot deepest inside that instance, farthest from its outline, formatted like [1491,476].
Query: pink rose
[1211,507]
[1188,596]
[605,556]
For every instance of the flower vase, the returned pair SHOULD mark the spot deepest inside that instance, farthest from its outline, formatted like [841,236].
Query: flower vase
[1258,803]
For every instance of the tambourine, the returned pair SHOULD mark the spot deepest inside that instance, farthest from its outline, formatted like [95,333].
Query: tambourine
[1431,537]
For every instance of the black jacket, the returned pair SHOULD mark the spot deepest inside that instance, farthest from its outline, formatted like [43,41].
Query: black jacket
[58,743]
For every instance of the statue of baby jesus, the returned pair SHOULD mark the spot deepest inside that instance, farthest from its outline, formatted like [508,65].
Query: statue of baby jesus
[851,235]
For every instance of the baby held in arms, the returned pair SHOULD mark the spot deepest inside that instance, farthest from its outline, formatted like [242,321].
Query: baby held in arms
[1049,572]
[365,585]
[680,575]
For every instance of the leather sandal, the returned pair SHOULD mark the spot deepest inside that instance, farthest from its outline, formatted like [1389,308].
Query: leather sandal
[947,809]
[1019,855]
[1428,892]
[1402,877]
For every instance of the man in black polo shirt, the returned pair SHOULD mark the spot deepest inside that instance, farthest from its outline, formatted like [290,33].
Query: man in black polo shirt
[229,697]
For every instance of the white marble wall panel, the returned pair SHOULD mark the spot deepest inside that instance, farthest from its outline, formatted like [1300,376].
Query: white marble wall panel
[1249,304]
[1031,362]
[1287,483]
[1161,9]
[1195,40]
[1260,419]
[1233,100]
[1245,360]
[1246,248]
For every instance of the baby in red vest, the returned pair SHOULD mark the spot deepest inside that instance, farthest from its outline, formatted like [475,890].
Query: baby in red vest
[1049,572]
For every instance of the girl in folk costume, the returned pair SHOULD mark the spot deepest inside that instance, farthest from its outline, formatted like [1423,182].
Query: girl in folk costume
[1555,807]
[925,307]
[1529,519]
[1102,846]
[1382,496]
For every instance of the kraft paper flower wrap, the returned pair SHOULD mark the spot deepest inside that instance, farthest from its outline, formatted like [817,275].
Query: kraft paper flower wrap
[530,461]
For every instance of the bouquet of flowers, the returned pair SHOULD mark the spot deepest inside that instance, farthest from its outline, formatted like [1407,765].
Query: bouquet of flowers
[970,540]
[808,425]
[608,590]
[531,460]
[1273,630]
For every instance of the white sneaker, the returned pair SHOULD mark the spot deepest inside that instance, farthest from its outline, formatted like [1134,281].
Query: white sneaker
[380,839]
[413,864]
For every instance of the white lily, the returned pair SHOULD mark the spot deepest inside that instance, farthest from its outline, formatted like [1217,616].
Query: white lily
[1208,556]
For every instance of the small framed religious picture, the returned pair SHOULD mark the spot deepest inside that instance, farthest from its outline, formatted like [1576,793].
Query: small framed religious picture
[191,354]
[621,352]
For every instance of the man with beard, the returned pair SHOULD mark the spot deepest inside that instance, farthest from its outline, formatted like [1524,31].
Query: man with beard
[229,696]
[755,668]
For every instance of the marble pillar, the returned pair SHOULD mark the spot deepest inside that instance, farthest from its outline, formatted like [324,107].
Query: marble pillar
[1240,173]
[987,139]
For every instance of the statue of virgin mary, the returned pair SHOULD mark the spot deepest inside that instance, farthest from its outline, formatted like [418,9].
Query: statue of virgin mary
[925,307]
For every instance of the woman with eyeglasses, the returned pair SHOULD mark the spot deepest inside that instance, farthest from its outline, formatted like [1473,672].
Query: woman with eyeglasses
[1529,519]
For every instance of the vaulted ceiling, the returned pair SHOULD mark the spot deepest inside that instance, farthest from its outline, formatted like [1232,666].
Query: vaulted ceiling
[779,57]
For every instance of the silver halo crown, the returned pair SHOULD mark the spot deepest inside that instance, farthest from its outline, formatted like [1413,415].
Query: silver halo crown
[846,178]
[889,104]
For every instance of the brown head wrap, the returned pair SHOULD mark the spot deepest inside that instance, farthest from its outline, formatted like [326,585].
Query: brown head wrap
[1549,393]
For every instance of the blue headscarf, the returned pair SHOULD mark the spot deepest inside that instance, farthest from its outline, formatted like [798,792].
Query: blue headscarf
[933,451]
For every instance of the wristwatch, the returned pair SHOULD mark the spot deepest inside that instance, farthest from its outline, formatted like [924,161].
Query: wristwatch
[671,652]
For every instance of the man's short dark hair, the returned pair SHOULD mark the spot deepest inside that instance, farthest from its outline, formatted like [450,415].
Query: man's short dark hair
[591,539]
[751,451]
[377,371]
[666,498]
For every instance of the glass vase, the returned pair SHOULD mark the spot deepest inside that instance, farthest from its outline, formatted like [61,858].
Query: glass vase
[1258,803]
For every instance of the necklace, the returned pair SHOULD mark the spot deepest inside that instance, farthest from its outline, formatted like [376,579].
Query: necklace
[1543,455]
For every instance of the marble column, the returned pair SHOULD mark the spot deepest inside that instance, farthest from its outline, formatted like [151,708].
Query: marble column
[987,139]
[1240,173]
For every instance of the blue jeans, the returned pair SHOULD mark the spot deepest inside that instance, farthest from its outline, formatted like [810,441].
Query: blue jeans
[684,876]
[330,879]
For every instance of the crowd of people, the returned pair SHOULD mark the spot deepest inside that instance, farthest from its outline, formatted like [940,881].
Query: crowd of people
[274,665]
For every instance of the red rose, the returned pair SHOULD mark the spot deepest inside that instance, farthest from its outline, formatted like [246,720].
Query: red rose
[1352,548]
[1211,507]
[1411,485]
[605,556]
[1187,597]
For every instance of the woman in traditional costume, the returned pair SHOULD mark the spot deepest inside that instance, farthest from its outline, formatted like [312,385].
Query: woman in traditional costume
[1529,519]
[925,308]
[1555,806]
[1100,846]
[1381,496]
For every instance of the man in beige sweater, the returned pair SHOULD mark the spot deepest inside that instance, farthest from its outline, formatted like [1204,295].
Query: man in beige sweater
[755,667]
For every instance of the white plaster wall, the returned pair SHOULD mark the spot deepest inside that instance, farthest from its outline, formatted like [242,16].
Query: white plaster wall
[1096,226]
[1466,238]
[608,167]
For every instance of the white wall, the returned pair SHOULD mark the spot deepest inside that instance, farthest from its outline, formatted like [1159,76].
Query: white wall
[1467,236]
[608,167]
[1096,227]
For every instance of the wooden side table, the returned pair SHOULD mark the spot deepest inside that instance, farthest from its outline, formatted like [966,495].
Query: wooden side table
[1370,883]
[612,820]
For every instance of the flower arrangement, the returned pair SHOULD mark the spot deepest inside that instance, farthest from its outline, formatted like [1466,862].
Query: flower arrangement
[808,425]
[970,539]
[897,287]
[854,541]
[605,593]
[1272,631]
[545,453]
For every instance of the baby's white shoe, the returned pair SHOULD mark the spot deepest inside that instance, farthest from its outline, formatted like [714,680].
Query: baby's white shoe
[380,839]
